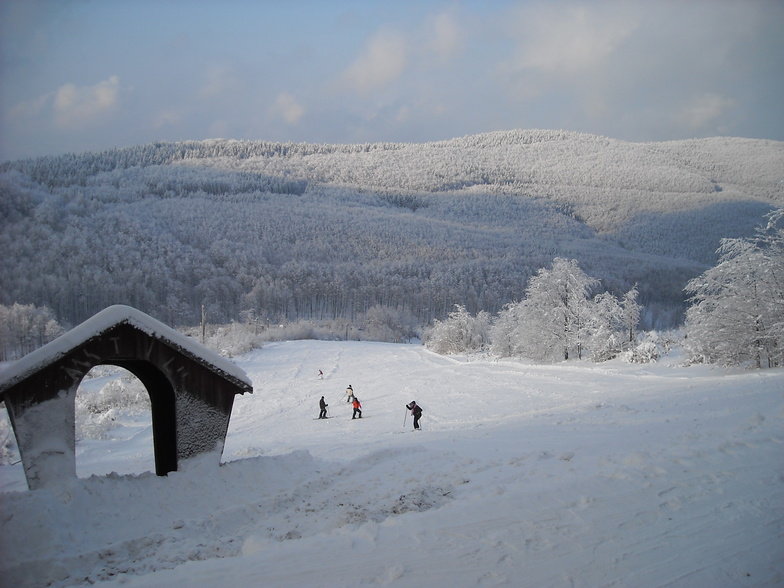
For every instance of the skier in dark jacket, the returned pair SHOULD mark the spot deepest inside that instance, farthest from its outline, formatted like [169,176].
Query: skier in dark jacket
[323,406]
[416,411]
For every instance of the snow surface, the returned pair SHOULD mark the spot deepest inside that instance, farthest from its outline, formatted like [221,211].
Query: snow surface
[103,321]
[577,474]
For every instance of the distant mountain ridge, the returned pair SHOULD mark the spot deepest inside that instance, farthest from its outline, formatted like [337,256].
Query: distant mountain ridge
[299,230]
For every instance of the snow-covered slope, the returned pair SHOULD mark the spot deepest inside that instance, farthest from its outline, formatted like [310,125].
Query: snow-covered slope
[575,474]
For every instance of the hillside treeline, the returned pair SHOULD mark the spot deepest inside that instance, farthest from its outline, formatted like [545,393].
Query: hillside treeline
[327,232]
[735,316]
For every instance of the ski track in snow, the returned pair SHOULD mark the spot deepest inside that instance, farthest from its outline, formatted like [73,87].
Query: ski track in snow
[570,475]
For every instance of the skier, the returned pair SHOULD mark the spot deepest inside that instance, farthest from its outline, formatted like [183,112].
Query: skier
[357,409]
[323,406]
[416,411]
[321,375]
[349,393]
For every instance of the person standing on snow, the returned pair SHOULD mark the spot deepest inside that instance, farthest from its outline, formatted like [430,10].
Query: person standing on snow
[416,411]
[349,393]
[357,409]
[323,406]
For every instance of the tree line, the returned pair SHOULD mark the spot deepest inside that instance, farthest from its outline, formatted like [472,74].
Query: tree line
[25,328]
[735,317]
[558,319]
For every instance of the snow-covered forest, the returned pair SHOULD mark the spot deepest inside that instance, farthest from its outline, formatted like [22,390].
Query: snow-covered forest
[282,232]
[735,317]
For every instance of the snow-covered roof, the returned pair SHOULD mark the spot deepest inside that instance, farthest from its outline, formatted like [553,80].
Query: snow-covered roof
[102,322]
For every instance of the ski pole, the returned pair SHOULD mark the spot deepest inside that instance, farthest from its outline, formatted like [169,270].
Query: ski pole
[405,415]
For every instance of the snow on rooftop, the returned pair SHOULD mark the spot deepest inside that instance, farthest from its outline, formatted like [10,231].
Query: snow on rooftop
[102,322]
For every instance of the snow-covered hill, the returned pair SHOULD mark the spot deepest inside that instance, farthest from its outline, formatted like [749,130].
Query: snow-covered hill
[574,474]
[296,231]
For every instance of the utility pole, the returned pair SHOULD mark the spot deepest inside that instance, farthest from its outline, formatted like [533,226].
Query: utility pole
[203,324]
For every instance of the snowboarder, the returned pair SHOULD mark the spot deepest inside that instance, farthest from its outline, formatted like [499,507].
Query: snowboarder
[349,393]
[416,411]
[357,409]
[323,406]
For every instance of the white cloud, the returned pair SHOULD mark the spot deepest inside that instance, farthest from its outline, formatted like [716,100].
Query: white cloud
[218,81]
[168,118]
[30,108]
[566,40]
[76,106]
[381,62]
[219,129]
[446,38]
[287,107]
[704,110]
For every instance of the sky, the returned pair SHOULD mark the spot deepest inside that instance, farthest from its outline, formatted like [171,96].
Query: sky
[90,75]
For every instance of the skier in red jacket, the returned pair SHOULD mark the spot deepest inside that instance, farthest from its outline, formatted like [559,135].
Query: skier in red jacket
[357,409]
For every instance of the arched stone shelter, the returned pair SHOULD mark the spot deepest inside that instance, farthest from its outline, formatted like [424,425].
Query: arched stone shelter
[191,391]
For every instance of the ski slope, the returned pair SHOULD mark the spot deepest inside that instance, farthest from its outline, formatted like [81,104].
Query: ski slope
[576,474]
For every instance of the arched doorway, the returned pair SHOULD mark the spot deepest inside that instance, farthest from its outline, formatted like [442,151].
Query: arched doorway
[162,410]
[113,424]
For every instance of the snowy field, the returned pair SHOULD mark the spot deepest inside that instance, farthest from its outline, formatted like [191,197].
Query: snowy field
[577,474]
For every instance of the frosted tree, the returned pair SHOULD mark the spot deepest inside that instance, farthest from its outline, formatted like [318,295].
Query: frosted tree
[559,299]
[459,332]
[630,309]
[555,319]
[508,334]
[737,312]
[773,242]
[394,325]
[24,328]
[606,329]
